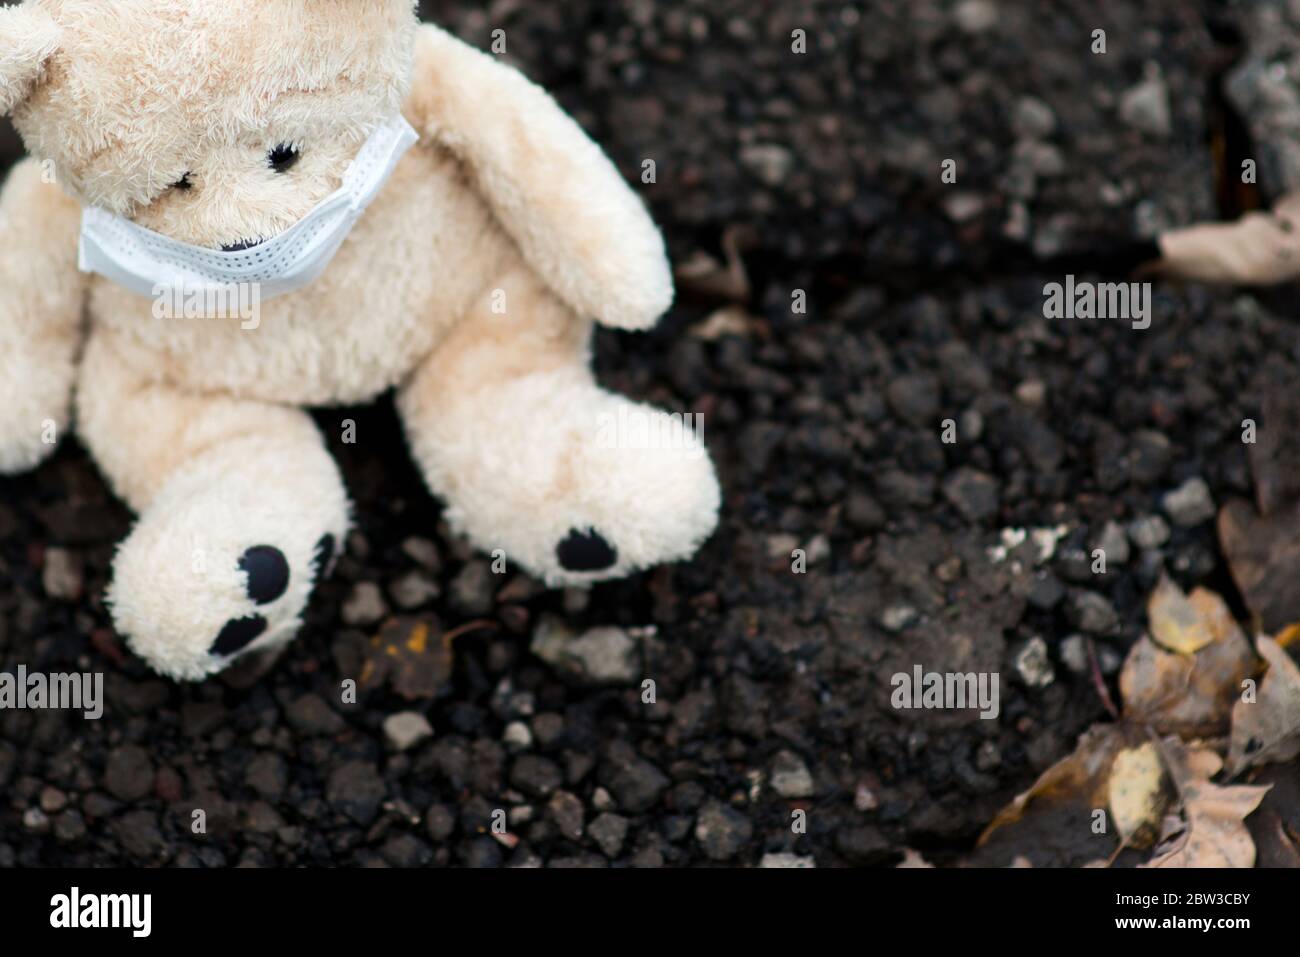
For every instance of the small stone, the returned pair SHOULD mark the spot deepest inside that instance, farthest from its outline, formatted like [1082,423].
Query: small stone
[566,811]
[988,757]
[267,775]
[1032,118]
[62,576]
[424,553]
[1092,613]
[722,831]
[602,656]
[356,789]
[53,800]
[413,590]
[962,207]
[440,822]
[975,16]
[864,799]
[471,591]
[34,819]
[609,831]
[1190,504]
[895,618]
[128,775]
[364,607]
[1109,660]
[1032,664]
[602,800]
[1046,591]
[973,493]
[770,162]
[635,783]
[535,775]
[310,714]
[70,826]
[970,425]
[517,736]
[786,860]
[1074,653]
[915,398]
[790,777]
[863,512]
[406,850]
[406,729]
[1145,106]
[1032,392]
[1148,532]
[1113,544]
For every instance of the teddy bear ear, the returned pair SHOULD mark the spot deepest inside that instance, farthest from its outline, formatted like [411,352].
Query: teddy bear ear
[28,36]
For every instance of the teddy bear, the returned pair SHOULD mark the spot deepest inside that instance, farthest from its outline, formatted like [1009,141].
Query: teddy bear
[398,210]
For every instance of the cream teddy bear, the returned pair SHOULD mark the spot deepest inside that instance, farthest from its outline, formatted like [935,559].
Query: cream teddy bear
[418,215]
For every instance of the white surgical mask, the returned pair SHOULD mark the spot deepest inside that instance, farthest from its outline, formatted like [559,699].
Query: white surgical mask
[149,263]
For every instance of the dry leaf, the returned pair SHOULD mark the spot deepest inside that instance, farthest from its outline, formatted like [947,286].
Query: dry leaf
[727,321]
[1263,555]
[1182,624]
[1275,827]
[703,275]
[1189,695]
[1216,834]
[1267,730]
[1051,823]
[1137,796]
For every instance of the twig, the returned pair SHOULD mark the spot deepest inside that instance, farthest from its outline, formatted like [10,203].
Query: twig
[1099,682]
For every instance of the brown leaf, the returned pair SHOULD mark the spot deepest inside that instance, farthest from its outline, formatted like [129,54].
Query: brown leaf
[1216,834]
[411,655]
[1189,695]
[703,276]
[1264,557]
[1051,823]
[727,321]
[1274,455]
[1275,827]
[1267,730]
[1178,624]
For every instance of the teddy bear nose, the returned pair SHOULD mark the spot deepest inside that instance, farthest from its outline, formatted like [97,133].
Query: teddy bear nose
[246,244]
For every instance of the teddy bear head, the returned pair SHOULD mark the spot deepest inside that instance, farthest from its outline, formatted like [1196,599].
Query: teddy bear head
[219,123]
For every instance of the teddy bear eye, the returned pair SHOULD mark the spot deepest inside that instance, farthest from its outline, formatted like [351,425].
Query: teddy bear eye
[282,158]
[183,183]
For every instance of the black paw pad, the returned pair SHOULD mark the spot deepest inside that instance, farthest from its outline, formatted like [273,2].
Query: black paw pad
[324,556]
[268,573]
[585,552]
[238,633]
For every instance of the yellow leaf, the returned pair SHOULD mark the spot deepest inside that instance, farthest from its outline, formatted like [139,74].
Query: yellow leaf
[1136,791]
[1185,625]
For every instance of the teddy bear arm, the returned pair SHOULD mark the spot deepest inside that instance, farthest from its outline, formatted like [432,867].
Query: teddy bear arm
[559,197]
[41,298]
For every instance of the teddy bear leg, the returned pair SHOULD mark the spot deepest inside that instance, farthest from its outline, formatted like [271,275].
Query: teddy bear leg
[534,459]
[241,511]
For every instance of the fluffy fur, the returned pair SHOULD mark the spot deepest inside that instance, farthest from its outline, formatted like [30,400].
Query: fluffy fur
[196,423]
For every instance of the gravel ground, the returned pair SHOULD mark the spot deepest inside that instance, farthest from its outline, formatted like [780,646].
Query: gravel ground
[483,695]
